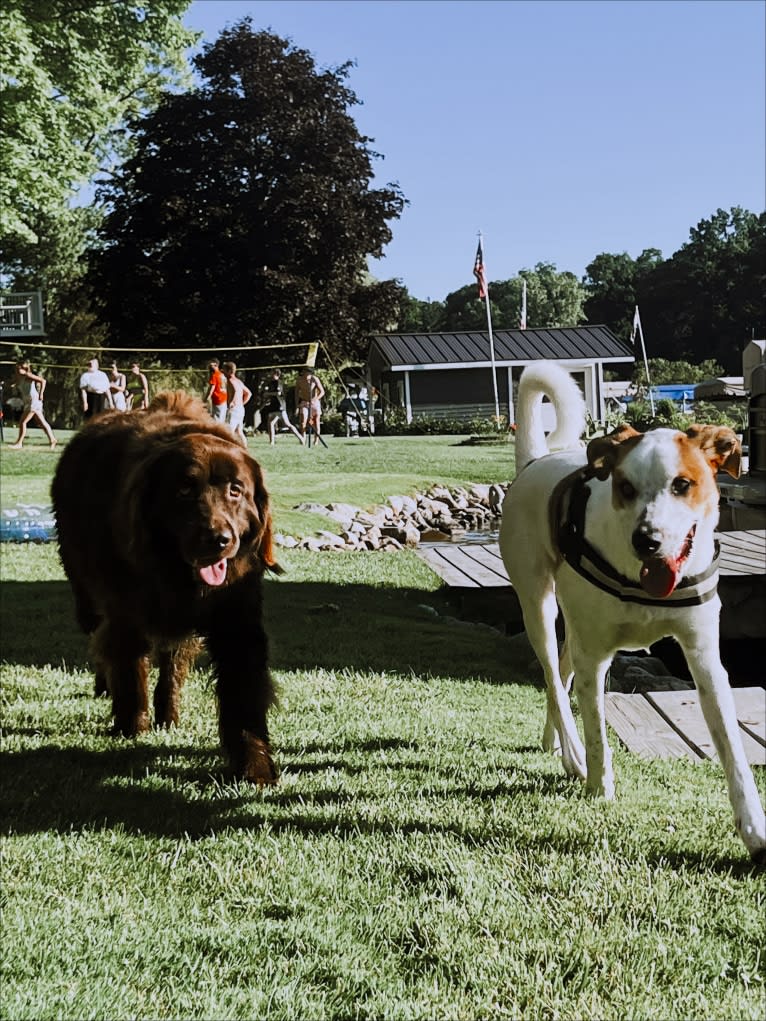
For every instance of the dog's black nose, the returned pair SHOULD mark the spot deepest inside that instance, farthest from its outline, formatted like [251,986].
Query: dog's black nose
[644,542]
[222,539]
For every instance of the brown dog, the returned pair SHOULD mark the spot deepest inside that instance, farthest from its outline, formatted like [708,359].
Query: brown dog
[165,532]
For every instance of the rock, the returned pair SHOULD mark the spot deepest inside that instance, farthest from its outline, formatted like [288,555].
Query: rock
[343,513]
[393,532]
[481,493]
[396,503]
[312,508]
[434,535]
[286,541]
[331,539]
[633,674]
[411,534]
[409,506]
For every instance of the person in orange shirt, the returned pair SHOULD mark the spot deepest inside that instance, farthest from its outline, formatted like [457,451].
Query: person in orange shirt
[217,392]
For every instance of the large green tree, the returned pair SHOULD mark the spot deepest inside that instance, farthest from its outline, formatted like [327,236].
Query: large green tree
[246,212]
[706,301]
[553,299]
[71,71]
[613,284]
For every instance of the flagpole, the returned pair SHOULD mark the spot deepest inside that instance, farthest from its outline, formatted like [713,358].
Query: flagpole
[637,328]
[480,262]
[523,316]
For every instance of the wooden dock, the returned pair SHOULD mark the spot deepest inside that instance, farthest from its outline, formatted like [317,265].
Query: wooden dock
[670,724]
[479,565]
[657,724]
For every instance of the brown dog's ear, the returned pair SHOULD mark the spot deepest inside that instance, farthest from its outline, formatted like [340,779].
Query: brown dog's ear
[263,542]
[603,451]
[720,446]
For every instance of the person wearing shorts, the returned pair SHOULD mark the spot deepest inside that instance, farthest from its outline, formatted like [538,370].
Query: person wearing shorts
[217,391]
[94,390]
[308,396]
[275,407]
[31,387]
[237,395]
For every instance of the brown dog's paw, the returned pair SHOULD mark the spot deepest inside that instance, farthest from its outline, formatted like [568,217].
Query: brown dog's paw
[131,726]
[257,765]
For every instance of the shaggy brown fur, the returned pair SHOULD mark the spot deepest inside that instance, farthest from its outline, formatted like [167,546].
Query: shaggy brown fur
[165,532]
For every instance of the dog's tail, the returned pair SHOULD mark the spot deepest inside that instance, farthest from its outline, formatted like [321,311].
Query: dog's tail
[547,379]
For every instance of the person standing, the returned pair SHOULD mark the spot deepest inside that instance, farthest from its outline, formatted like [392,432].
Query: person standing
[94,390]
[275,407]
[31,387]
[308,396]
[237,396]
[117,388]
[217,391]
[137,388]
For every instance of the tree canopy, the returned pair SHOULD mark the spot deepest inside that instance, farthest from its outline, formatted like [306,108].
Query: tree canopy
[246,212]
[705,301]
[71,72]
[553,299]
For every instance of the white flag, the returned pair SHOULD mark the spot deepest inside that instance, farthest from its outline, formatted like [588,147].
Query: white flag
[523,316]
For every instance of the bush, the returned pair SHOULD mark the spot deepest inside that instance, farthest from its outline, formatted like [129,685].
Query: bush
[668,415]
[425,425]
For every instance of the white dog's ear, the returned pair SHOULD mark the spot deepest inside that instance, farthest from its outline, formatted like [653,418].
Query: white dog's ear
[720,446]
[605,451]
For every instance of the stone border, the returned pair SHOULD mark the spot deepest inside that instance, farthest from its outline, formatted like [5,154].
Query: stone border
[438,515]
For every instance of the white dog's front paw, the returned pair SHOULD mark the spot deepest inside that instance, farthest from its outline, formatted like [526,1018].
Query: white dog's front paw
[753,833]
[600,787]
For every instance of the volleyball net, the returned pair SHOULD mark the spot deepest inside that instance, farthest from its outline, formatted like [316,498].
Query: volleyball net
[248,358]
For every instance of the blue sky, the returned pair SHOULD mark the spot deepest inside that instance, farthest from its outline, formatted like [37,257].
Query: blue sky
[559,129]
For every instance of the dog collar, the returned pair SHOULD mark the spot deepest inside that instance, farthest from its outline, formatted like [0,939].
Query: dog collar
[569,501]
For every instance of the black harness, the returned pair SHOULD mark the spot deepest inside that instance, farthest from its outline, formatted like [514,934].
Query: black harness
[568,504]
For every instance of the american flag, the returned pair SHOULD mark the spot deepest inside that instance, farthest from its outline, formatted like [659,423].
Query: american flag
[478,271]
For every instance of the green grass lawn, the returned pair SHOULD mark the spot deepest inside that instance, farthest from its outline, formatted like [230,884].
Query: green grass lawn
[420,857]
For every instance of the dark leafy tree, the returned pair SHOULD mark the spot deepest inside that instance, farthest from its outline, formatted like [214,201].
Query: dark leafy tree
[613,284]
[246,213]
[418,316]
[553,299]
[707,300]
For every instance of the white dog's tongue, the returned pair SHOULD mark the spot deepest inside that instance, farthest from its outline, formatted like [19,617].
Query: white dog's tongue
[214,574]
[659,577]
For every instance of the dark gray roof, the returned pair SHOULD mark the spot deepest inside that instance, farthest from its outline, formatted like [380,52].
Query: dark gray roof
[582,343]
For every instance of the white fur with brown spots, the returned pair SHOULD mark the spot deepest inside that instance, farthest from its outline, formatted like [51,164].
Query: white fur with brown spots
[652,514]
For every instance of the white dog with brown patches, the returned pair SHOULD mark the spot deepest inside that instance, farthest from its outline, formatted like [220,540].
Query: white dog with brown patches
[622,539]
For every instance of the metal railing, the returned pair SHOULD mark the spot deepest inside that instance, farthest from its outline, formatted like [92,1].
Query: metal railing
[21,314]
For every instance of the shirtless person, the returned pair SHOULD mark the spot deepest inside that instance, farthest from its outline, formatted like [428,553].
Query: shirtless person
[308,396]
[237,397]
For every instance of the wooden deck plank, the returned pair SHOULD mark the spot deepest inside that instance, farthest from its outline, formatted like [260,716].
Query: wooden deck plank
[460,564]
[643,731]
[641,723]
[751,711]
[743,552]
[683,710]
[453,576]
[490,560]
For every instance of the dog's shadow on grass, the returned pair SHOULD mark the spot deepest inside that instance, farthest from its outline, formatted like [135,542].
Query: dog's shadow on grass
[310,625]
[64,790]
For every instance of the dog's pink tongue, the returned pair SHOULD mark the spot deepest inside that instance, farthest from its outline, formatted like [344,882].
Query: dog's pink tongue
[659,577]
[214,574]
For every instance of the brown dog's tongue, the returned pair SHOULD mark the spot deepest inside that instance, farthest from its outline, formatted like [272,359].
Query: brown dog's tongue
[658,577]
[214,574]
